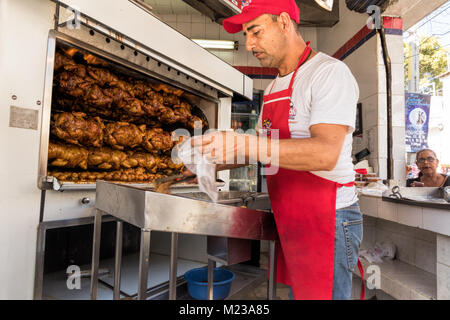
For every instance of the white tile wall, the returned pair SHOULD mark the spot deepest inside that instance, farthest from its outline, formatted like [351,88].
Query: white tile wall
[198,18]
[362,64]
[398,78]
[410,215]
[398,134]
[400,171]
[370,111]
[184,18]
[425,235]
[382,167]
[398,110]
[382,109]
[405,247]
[382,141]
[443,249]
[436,220]
[395,48]
[443,282]
[212,31]
[425,255]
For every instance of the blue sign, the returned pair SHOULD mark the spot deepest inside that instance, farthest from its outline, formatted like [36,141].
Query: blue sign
[417,119]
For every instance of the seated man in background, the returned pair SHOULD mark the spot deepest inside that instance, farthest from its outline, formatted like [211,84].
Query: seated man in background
[428,163]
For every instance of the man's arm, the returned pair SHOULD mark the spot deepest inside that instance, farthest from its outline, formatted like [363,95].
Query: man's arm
[318,153]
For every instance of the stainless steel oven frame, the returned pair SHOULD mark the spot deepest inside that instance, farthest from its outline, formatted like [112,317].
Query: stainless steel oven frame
[206,96]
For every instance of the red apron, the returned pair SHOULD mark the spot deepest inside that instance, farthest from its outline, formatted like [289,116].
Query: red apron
[304,207]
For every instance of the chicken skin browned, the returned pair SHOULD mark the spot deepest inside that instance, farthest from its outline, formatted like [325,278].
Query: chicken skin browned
[93,60]
[121,135]
[62,59]
[75,128]
[106,158]
[122,175]
[102,76]
[67,156]
[157,139]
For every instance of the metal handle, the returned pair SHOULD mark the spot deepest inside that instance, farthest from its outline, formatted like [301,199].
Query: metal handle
[396,193]
[85,200]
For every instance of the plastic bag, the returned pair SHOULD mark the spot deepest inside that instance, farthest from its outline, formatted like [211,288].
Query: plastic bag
[379,251]
[198,164]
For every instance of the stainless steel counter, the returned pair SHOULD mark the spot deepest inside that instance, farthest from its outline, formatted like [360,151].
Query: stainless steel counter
[233,217]
[418,196]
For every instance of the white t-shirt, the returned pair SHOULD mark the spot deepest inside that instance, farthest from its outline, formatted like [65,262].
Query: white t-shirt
[324,91]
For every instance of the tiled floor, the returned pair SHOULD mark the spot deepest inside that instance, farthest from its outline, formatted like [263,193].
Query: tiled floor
[260,291]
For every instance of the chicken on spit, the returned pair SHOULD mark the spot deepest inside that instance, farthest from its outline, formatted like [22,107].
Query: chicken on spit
[122,175]
[60,155]
[157,139]
[121,135]
[75,128]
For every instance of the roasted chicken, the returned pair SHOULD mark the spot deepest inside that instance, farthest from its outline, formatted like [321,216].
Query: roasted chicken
[121,135]
[123,138]
[62,59]
[107,158]
[123,175]
[67,156]
[76,128]
[157,139]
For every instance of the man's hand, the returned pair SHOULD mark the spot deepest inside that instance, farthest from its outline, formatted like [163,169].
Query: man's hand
[228,147]
[188,173]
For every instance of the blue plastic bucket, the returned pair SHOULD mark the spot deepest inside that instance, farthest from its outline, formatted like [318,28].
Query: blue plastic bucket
[197,283]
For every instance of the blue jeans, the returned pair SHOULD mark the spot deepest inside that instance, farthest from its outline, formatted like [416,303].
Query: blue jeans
[347,239]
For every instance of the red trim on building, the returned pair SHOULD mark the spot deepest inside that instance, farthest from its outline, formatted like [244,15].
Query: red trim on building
[360,35]
[258,70]
[391,23]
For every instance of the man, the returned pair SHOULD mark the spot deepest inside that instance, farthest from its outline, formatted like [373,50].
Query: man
[312,106]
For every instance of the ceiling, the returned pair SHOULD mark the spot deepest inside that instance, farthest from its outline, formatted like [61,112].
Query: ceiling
[171,7]
[311,14]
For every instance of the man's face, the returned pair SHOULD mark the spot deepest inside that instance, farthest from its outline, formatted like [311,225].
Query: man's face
[264,38]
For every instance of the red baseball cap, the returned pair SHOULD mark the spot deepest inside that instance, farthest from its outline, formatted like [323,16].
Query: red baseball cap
[256,8]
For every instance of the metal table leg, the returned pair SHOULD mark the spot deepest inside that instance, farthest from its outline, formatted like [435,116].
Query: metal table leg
[40,254]
[144,258]
[211,266]
[173,267]
[96,254]
[118,259]
[272,288]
